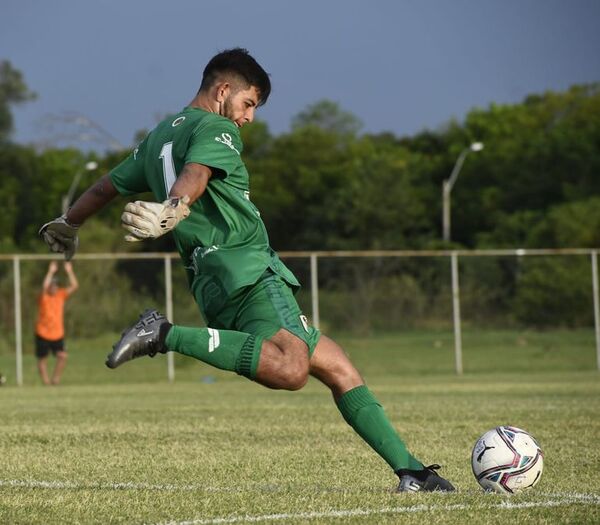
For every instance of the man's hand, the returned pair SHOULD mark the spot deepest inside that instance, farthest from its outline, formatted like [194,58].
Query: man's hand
[60,236]
[149,220]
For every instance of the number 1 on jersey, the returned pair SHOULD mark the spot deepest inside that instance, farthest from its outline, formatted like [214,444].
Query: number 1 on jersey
[166,155]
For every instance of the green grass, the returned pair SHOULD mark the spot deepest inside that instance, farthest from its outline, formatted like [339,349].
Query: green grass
[417,352]
[124,446]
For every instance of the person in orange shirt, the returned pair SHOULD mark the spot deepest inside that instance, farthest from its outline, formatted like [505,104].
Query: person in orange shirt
[50,326]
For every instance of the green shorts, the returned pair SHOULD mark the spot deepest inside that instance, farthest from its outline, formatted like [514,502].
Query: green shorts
[261,309]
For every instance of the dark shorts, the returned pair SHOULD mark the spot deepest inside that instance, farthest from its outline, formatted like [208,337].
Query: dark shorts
[43,347]
[261,309]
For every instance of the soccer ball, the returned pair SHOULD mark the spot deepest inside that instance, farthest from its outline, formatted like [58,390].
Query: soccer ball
[507,460]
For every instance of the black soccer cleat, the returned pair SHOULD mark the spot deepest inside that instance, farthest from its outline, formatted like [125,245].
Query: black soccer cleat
[146,337]
[426,480]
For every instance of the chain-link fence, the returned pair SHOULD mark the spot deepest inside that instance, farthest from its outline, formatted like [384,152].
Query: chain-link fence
[348,294]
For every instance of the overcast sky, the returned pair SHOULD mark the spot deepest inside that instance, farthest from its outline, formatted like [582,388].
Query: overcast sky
[398,65]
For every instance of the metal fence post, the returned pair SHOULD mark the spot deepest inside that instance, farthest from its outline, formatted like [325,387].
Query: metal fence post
[18,320]
[314,289]
[596,305]
[456,311]
[169,311]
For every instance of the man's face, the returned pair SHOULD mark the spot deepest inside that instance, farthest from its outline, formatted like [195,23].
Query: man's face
[239,106]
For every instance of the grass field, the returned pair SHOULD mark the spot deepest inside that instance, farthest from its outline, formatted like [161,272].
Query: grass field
[124,446]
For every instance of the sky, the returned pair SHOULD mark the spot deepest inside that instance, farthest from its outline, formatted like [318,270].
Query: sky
[400,66]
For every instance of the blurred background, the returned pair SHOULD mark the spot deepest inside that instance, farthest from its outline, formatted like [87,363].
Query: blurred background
[392,125]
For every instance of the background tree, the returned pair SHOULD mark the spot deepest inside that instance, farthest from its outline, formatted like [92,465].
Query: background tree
[328,116]
[325,186]
[13,90]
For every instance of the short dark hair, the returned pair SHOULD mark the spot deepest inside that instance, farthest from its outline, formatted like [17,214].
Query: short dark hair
[240,63]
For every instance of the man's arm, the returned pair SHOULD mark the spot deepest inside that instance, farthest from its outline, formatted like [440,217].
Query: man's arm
[149,220]
[61,234]
[73,282]
[92,200]
[192,181]
[52,269]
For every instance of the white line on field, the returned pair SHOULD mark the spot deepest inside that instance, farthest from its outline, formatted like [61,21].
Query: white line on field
[74,485]
[553,500]
[593,499]
[586,499]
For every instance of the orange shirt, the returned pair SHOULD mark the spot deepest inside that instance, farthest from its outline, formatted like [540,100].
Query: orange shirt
[50,322]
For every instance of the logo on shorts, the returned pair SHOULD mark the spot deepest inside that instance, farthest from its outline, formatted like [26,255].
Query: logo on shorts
[205,251]
[304,321]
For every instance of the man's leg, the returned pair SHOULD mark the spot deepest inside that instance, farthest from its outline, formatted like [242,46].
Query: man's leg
[281,361]
[263,342]
[358,406]
[42,365]
[361,410]
[41,352]
[61,362]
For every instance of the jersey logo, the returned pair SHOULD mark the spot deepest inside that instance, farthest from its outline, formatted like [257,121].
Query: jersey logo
[177,121]
[226,139]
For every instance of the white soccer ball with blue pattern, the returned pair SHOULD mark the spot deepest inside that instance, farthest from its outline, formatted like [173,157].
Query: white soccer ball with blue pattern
[507,460]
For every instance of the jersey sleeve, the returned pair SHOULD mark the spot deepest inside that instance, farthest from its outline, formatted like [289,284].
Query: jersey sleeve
[216,144]
[129,177]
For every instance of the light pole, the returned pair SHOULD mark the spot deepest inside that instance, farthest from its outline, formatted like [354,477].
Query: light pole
[66,200]
[448,183]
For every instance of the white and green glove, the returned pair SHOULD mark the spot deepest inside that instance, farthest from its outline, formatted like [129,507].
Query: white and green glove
[149,220]
[61,236]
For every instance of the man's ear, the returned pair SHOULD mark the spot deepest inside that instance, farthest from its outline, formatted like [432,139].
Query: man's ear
[222,90]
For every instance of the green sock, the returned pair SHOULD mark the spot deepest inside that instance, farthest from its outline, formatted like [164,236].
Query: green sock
[225,349]
[364,414]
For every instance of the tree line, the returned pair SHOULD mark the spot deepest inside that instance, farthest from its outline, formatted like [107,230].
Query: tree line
[325,185]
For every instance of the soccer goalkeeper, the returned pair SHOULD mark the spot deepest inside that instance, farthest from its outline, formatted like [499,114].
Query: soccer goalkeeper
[192,164]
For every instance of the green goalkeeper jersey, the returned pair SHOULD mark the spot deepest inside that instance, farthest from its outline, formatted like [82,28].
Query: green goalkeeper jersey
[224,236]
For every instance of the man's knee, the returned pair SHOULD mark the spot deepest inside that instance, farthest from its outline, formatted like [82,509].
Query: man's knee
[290,369]
[296,376]
[294,367]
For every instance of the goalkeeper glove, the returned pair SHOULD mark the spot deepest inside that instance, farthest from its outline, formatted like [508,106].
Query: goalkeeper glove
[61,236]
[149,220]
